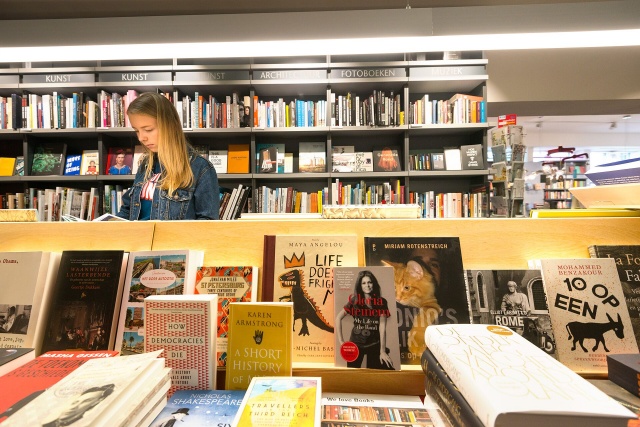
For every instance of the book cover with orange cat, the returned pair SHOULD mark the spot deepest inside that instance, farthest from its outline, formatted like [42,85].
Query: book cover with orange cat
[366,327]
[429,285]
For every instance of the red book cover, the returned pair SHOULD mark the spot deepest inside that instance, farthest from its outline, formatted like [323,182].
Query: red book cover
[25,383]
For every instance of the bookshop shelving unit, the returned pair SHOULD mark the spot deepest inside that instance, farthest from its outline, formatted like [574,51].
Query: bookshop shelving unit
[410,75]
[243,242]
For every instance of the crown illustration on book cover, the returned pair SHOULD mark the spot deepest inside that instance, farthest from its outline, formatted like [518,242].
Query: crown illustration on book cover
[294,261]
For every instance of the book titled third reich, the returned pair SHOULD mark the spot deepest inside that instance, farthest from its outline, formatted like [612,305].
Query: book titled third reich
[508,381]
[185,327]
[588,311]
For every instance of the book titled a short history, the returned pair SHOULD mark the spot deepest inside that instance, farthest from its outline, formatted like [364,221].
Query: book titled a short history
[231,284]
[589,314]
[184,326]
[298,268]
[198,408]
[85,301]
[281,401]
[430,285]
[260,342]
[366,326]
[508,381]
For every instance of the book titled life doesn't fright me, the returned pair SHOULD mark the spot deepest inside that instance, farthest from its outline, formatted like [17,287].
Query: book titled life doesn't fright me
[185,327]
[588,312]
[259,343]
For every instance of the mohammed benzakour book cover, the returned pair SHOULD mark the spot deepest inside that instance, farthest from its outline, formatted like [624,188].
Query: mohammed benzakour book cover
[260,342]
[515,299]
[298,268]
[430,285]
[184,326]
[231,284]
[281,401]
[589,314]
[366,327]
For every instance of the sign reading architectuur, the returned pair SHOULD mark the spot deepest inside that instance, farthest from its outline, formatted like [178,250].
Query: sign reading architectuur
[289,75]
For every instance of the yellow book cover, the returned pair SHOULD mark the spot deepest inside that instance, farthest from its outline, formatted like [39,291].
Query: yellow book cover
[238,158]
[259,342]
[7,166]
[281,401]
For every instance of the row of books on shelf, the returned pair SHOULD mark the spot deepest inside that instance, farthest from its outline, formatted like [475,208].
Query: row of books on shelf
[459,109]
[376,109]
[288,200]
[417,282]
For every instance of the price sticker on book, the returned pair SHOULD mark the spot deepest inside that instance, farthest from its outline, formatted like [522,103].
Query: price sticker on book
[349,351]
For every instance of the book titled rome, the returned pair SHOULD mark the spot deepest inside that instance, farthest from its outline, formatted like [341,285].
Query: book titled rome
[429,282]
[259,342]
[589,314]
[184,326]
[85,301]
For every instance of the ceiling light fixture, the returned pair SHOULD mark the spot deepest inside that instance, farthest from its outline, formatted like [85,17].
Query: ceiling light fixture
[626,116]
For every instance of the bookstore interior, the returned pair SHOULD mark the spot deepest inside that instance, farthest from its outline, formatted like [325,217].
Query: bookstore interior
[419,226]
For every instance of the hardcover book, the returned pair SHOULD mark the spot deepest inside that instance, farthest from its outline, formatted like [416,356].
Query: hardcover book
[508,381]
[429,282]
[171,272]
[48,159]
[231,284]
[627,258]
[472,156]
[119,161]
[12,358]
[27,279]
[31,379]
[366,327]
[72,165]
[184,326]
[589,315]
[85,301]
[218,159]
[138,153]
[281,401]
[312,157]
[299,269]
[238,160]
[437,161]
[90,162]
[624,370]
[197,408]
[7,166]
[386,160]
[270,158]
[515,299]
[101,392]
[260,342]
[345,409]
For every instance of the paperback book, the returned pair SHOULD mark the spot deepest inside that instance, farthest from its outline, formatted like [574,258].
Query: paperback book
[299,269]
[12,358]
[200,408]
[386,160]
[231,284]
[260,342]
[184,326]
[429,283]
[366,328]
[512,298]
[170,272]
[90,162]
[281,401]
[508,381]
[589,315]
[85,301]
[119,161]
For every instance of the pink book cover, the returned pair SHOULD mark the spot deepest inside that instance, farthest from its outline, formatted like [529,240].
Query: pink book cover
[185,327]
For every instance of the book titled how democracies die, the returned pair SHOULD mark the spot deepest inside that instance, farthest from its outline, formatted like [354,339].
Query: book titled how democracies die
[184,326]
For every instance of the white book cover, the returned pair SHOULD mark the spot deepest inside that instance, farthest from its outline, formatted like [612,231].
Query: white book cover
[452,159]
[312,157]
[168,272]
[184,326]
[27,279]
[218,159]
[508,381]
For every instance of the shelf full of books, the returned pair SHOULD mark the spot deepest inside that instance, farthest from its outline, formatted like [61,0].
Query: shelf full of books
[265,124]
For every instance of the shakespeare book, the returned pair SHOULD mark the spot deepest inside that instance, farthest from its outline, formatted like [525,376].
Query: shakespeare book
[231,284]
[429,283]
[627,258]
[366,328]
[31,379]
[281,401]
[184,326]
[589,314]
[85,301]
[171,272]
[345,409]
[259,342]
[24,296]
[198,408]
[512,298]
[508,381]
[299,269]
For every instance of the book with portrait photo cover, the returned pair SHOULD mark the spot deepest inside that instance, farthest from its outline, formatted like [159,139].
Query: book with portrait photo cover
[119,161]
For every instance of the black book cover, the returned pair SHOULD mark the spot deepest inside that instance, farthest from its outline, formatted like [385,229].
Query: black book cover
[472,156]
[49,159]
[16,112]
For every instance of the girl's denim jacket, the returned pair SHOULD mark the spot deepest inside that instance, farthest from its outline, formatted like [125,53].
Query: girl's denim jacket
[200,201]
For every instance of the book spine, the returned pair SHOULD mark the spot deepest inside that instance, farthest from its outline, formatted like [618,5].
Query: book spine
[439,386]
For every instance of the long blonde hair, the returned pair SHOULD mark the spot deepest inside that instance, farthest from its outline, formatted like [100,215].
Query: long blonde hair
[172,143]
